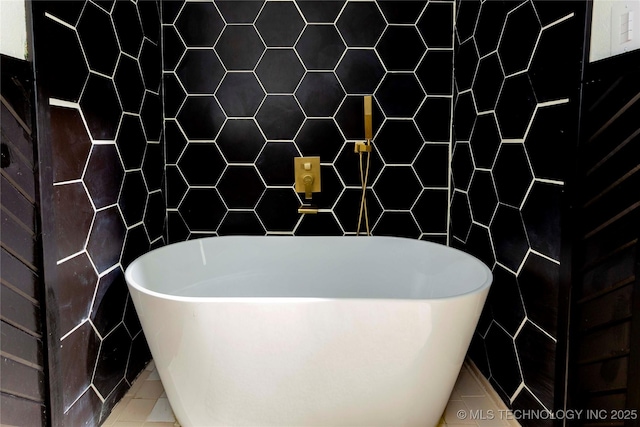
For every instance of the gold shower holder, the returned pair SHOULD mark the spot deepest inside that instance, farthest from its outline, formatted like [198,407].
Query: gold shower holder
[362,147]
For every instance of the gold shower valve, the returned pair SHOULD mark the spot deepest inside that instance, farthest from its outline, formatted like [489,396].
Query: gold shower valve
[362,147]
[307,175]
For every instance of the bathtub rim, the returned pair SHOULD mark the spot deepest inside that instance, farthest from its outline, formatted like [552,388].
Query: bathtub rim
[484,287]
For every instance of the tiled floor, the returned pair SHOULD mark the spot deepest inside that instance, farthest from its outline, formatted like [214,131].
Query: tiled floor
[146,404]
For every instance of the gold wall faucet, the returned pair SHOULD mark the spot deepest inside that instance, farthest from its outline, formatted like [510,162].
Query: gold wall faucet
[307,179]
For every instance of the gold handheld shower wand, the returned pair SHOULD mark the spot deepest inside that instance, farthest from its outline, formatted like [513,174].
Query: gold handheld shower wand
[365,147]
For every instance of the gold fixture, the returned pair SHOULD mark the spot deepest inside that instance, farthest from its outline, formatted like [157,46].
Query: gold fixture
[365,147]
[307,177]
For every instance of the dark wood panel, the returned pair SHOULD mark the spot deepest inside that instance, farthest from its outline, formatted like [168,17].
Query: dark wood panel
[612,307]
[615,200]
[17,171]
[604,344]
[18,276]
[18,240]
[14,202]
[20,346]
[606,376]
[20,312]
[609,274]
[610,239]
[21,380]
[21,412]
[14,133]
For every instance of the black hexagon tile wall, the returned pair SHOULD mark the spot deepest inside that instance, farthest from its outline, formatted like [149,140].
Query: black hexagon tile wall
[284,79]
[100,65]
[512,111]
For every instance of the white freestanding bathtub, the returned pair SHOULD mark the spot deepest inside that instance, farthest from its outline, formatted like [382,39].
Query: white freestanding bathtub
[308,331]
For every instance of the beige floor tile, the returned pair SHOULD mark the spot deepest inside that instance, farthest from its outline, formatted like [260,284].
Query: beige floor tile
[161,411]
[127,424]
[137,383]
[154,375]
[468,386]
[158,424]
[150,389]
[116,411]
[457,413]
[137,410]
[151,366]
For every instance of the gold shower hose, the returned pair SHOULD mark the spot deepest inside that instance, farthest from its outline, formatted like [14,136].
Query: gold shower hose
[364,177]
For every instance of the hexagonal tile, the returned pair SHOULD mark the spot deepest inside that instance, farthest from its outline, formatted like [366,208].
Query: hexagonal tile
[544,139]
[486,85]
[541,213]
[460,216]
[110,301]
[432,165]
[112,361]
[241,223]
[67,12]
[320,94]
[539,282]
[487,33]
[75,300]
[509,237]
[133,198]
[177,230]
[479,244]
[199,216]
[320,47]
[172,47]
[154,215]
[280,117]
[435,72]
[440,16]
[125,18]
[278,209]
[73,218]
[512,174]
[240,140]
[320,137]
[360,71]
[398,224]
[239,12]
[485,141]
[176,186]
[348,166]
[392,195]
[239,47]
[398,141]
[246,178]
[240,94]
[350,117]
[131,142]
[103,176]
[430,211]
[401,12]
[275,163]
[361,24]
[322,224]
[151,65]
[150,17]
[135,245]
[537,356]
[462,165]
[200,71]
[280,24]
[100,107]
[321,11]
[173,95]
[106,5]
[98,39]
[129,84]
[400,95]
[151,115]
[434,118]
[106,239]
[70,143]
[199,24]
[81,344]
[280,70]
[347,210]
[503,359]
[63,82]
[201,118]
[405,59]
[464,112]
[519,37]
[174,140]
[153,166]
[466,64]
[201,164]
[505,300]
[482,196]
